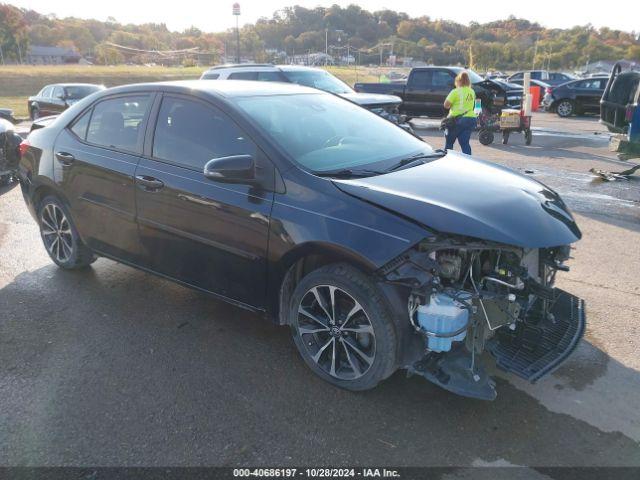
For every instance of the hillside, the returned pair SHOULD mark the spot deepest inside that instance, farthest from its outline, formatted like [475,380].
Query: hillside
[507,44]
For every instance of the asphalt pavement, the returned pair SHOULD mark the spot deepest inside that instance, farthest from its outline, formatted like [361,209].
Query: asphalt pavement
[111,366]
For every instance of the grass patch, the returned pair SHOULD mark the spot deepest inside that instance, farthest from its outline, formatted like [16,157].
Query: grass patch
[17,104]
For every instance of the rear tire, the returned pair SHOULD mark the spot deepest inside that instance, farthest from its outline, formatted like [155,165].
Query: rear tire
[505,137]
[565,108]
[528,137]
[60,237]
[485,137]
[342,327]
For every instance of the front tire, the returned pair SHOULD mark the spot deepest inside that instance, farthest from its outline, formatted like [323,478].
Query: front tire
[35,113]
[342,327]
[565,108]
[60,237]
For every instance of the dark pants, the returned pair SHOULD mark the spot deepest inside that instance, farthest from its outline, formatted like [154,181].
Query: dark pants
[461,132]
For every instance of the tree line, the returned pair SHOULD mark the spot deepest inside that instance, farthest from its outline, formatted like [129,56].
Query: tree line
[512,43]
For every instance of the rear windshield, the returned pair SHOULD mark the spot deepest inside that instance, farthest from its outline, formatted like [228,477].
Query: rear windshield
[324,132]
[317,79]
[80,92]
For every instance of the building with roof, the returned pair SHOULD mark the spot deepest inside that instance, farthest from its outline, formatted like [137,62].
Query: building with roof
[42,55]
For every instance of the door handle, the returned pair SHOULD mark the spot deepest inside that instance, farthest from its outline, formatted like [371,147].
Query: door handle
[148,183]
[65,158]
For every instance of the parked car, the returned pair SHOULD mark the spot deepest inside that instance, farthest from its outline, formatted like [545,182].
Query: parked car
[575,97]
[9,154]
[495,75]
[552,78]
[54,99]
[303,207]
[426,88]
[384,105]
[620,100]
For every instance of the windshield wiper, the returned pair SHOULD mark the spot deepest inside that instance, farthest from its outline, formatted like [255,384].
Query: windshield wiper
[348,173]
[419,157]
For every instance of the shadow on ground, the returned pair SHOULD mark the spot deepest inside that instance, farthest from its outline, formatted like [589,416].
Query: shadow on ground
[111,366]
[7,188]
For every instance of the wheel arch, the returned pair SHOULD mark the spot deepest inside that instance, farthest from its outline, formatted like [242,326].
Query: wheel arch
[43,190]
[308,257]
[296,263]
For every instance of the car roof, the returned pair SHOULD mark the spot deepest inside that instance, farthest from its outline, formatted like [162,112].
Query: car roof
[599,77]
[241,66]
[73,85]
[299,68]
[228,88]
[430,67]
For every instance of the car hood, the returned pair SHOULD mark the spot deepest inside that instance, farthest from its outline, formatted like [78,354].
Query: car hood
[372,99]
[458,194]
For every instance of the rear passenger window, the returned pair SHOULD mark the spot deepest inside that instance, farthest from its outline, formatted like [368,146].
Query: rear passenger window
[271,77]
[210,76]
[116,123]
[243,76]
[190,133]
[80,125]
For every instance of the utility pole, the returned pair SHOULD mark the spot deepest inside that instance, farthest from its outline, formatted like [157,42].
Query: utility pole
[326,46]
[236,13]
[535,53]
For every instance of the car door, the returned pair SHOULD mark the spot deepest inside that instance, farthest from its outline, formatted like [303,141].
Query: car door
[95,162]
[44,101]
[58,103]
[442,82]
[203,232]
[588,94]
[417,92]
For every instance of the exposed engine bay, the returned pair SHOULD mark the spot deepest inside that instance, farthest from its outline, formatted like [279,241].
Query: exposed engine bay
[468,296]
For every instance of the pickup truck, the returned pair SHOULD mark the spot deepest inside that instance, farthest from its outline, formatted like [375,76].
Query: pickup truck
[424,92]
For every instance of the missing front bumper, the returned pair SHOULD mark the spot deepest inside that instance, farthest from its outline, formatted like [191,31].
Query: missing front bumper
[538,345]
[541,343]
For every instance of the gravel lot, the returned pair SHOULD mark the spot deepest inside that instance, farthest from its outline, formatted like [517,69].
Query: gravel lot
[112,366]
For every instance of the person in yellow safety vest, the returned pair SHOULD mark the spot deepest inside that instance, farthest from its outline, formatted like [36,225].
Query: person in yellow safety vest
[460,103]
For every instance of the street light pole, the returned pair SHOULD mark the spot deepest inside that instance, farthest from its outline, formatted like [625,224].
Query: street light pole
[326,46]
[236,13]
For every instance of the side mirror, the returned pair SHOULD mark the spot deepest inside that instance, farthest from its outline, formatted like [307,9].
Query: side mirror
[232,169]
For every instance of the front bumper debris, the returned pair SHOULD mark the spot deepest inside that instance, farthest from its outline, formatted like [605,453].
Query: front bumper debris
[455,371]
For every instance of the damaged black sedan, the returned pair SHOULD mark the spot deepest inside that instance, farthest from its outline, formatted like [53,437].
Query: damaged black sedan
[378,252]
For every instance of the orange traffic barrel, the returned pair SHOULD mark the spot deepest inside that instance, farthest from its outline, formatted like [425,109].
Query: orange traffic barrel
[535,97]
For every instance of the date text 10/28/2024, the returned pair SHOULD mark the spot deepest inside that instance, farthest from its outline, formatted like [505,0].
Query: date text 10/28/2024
[316,472]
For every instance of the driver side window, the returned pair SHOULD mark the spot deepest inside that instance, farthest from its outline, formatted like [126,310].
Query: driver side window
[190,133]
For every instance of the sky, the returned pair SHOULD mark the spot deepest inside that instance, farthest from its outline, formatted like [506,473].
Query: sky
[216,15]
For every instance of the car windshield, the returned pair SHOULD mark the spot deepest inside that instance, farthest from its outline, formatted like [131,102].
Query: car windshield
[317,79]
[473,76]
[326,133]
[78,92]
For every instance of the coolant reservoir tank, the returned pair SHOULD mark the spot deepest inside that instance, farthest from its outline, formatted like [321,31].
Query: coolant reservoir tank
[443,316]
